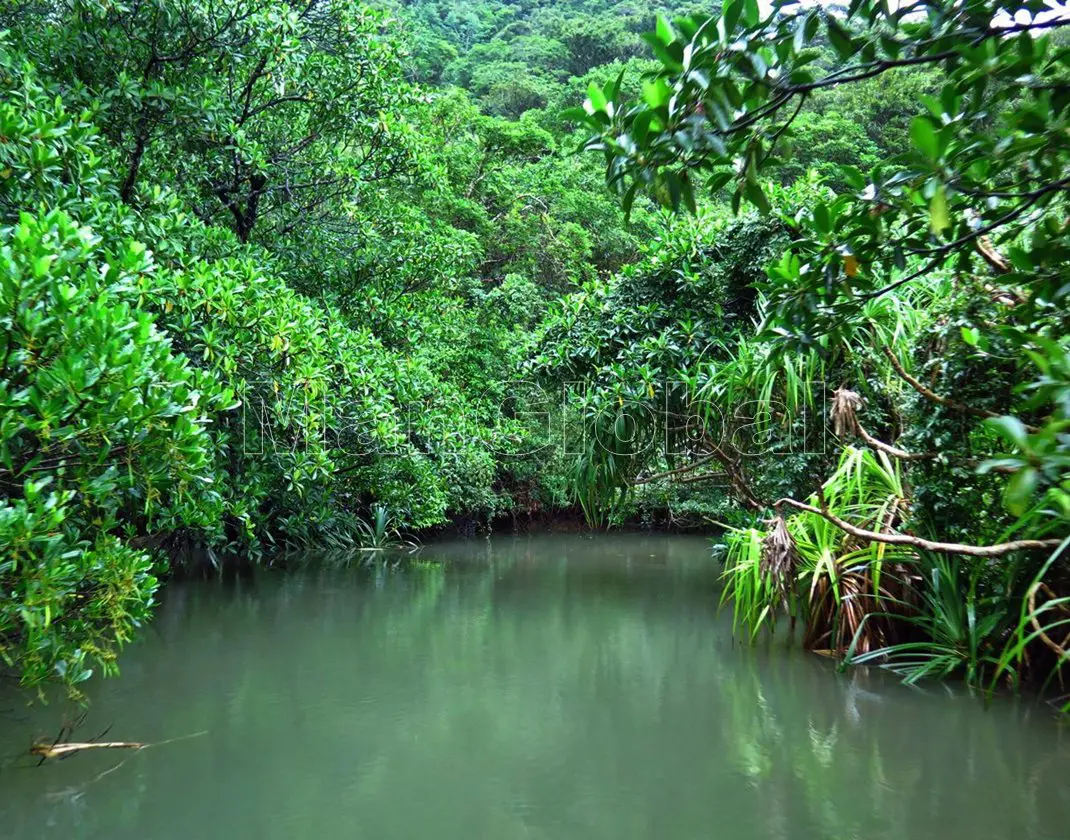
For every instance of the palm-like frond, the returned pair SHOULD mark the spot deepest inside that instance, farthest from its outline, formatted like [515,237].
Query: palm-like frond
[828,577]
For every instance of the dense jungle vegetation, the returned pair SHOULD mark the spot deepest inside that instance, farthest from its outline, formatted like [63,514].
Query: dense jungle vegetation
[314,273]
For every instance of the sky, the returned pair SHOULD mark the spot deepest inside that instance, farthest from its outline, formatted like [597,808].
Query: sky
[1011,12]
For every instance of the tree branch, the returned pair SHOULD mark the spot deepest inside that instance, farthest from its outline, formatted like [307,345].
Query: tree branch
[694,465]
[997,550]
[933,397]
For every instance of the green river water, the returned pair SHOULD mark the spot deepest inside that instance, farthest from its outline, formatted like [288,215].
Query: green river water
[546,687]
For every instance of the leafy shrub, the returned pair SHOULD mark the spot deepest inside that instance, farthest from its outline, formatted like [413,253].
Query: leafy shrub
[103,446]
[161,386]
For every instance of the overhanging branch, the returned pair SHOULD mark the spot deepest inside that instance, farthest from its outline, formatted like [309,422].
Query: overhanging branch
[997,550]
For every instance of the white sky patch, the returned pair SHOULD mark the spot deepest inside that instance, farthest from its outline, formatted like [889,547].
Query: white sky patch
[1008,14]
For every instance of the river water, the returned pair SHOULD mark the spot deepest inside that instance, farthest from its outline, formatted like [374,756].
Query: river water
[546,687]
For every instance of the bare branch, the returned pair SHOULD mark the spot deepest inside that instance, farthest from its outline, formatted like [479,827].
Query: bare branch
[997,550]
[933,397]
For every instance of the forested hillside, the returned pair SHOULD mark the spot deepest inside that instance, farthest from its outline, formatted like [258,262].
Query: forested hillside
[322,273]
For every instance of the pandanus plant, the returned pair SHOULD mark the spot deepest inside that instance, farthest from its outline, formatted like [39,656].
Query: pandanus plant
[381,532]
[806,567]
[964,628]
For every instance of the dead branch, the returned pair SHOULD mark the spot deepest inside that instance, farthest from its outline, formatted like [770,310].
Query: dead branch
[733,471]
[1059,649]
[993,257]
[678,471]
[894,451]
[60,750]
[69,748]
[844,416]
[997,550]
[780,558]
[845,421]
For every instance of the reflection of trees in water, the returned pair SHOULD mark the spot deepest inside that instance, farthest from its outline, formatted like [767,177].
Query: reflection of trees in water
[527,688]
[853,755]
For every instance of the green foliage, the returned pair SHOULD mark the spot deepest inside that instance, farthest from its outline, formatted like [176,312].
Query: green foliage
[260,114]
[827,579]
[1038,621]
[516,57]
[179,393]
[961,629]
[933,280]
[69,602]
[825,143]
[636,342]
[671,381]
[380,531]
[261,288]
[102,437]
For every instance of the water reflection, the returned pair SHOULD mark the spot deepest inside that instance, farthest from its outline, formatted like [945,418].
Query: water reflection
[531,688]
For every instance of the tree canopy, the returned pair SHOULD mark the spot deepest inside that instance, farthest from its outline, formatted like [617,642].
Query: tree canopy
[284,275]
[928,288]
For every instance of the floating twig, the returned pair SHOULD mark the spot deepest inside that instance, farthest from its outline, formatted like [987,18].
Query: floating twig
[60,750]
[69,748]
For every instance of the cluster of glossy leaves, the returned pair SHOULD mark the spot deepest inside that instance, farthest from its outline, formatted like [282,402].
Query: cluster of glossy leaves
[103,438]
[68,602]
[988,151]
[102,434]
